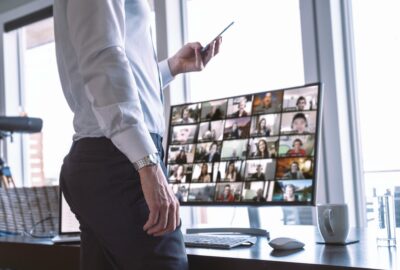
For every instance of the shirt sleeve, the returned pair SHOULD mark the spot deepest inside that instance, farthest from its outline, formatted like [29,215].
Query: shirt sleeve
[97,33]
[165,71]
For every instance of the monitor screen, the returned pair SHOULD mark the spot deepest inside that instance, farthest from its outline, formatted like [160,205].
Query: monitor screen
[258,149]
[68,222]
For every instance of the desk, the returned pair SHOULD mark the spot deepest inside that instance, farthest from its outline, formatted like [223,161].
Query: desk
[22,253]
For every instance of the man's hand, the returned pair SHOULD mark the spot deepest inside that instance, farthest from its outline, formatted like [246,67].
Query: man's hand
[162,203]
[189,57]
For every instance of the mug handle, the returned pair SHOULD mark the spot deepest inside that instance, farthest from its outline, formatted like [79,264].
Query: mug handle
[328,221]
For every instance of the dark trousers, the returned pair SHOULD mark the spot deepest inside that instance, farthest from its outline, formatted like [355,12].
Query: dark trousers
[103,190]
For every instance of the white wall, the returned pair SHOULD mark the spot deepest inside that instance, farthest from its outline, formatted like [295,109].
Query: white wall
[6,5]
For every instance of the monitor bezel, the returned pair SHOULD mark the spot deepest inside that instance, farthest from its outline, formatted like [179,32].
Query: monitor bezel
[317,134]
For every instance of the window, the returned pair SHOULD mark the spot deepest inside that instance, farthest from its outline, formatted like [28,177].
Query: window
[261,51]
[39,94]
[377,43]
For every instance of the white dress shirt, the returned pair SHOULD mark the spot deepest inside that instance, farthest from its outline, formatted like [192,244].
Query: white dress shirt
[109,72]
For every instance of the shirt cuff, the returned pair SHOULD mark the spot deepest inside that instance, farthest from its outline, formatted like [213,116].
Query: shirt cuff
[165,71]
[135,143]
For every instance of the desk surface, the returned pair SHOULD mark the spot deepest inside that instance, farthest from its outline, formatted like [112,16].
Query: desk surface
[19,252]
[364,254]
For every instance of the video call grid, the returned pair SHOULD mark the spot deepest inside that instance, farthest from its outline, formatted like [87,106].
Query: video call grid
[267,182]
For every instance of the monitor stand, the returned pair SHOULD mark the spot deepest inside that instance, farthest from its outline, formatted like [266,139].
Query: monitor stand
[254,218]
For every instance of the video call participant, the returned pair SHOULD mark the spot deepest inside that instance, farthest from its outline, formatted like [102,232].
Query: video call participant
[111,80]
[212,155]
[234,155]
[235,132]
[266,105]
[215,114]
[179,175]
[262,128]
[204,176]
[182,135]
[259,196]
[181,194]
[258,175]
[272,151]
[241,109]
[186,119]
[227,195]
[181,157]
[231,172]
[213,135]
[299,123]
[297,150]
[262,149]
[301,103]
[294,172]
[209,135]
[288,194]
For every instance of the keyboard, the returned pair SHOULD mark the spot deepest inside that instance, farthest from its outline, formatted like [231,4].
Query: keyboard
[217,241]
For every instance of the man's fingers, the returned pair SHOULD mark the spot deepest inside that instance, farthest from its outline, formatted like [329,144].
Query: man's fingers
[162,221]
[152,220]
[195,45]
[198,59]
[217,45]
[171,226]
[210,53]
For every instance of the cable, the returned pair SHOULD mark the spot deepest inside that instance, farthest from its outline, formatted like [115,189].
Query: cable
[32,230]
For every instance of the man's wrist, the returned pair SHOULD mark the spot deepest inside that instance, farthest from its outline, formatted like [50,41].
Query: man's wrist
[173,64]
[149,160]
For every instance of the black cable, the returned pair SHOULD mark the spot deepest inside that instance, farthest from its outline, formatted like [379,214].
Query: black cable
[32,230]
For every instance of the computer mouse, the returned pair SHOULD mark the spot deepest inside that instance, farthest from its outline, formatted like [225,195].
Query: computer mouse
[285,243]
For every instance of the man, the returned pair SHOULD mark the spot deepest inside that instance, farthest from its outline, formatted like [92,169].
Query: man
[259,196]
[186,119]
[113,178]
[301,103]
[297,150]
[212,155]
[241,112]
[267,105]
[258,175]
[299,124]
[294,172]
[227,195]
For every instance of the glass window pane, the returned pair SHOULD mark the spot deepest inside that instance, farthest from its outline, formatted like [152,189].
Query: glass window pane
[377,43]
[262,50]
[43,97]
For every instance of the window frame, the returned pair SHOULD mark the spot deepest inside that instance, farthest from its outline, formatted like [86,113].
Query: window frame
[332,61]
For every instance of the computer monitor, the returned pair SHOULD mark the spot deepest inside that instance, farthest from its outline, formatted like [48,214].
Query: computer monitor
[253,149]
[68,224]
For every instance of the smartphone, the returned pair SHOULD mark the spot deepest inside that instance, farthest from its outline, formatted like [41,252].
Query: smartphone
[203,50]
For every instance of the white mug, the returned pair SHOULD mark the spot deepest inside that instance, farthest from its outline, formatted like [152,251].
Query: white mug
[333,222]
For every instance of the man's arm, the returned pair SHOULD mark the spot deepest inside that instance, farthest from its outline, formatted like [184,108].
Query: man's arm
[97,29]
